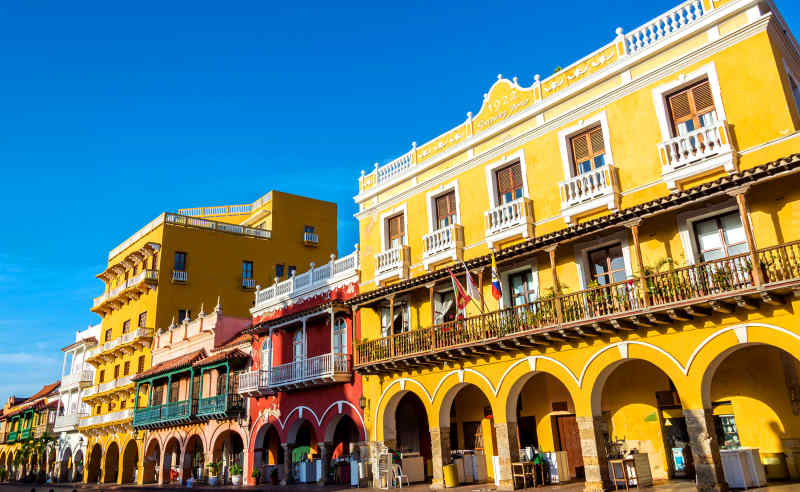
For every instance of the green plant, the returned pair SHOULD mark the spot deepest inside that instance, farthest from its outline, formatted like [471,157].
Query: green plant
[213,468]
[256,473]
[236,469]
[3,474]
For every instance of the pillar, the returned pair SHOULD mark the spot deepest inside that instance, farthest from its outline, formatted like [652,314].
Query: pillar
[705,450]
[595,461]
[440,450]
[507,452]
[324,450]
[740,194]
[287,463]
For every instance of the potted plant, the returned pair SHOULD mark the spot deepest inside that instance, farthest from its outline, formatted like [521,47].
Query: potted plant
[256,476]
[273,477]
[236,474]
[213,472]
[3,474]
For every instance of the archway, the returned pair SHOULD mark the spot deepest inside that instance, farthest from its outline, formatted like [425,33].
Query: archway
[77,467]
[150,462]
[194,458]
[754,393]
[51,463]
[130,462]
[229,449]
[640,409]
[268,454]
[468,415]
[340,434]
[542,407]
[406,428]
[172,461]
[95,458]
[65,473]
[111,466]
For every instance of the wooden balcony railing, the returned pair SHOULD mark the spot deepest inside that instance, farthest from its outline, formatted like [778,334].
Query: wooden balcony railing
[635,302]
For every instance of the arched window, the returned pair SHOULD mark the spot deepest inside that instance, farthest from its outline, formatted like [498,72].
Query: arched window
[340,336]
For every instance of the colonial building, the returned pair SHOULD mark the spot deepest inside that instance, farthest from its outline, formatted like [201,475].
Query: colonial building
[303,395]
[24,420]
[76,376]
[187,404]
[642,206]
[162,275]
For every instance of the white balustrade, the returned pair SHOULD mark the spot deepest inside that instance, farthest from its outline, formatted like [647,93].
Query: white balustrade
[69,422]
[509,215]
[311,237]
[76,377]
[694,146]
[251,382]
[313,279]
[391,259]
[179,276]
[664,25]
[117,383]
[442,240]
[109,417]
[395,168]
[586,186]
[302,371]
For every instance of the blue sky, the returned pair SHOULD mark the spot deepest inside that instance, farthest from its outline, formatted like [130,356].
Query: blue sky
[112,113]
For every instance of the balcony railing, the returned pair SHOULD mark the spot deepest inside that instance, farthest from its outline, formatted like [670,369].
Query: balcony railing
[77,378]
[179,276]
[254,383]
[3,437]
[444,243]
[509,219]
[322,369]
[219,405]
[106,418]
[313,279]
[658,298]
[588,186]
[692,154]
[117,383]
[25,434]
[248,283]
[311,238]
[66,423]
[664,25]
[393,262]
[42,429]
[167,413]
[140,280]
[12,437]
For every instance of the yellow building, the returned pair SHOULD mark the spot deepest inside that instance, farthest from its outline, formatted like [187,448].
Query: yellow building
[174,268]
[24,421]
[643,208]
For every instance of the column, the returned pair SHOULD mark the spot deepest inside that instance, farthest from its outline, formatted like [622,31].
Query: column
[390,330]
[430,287]
[323,454]
[705,450]
[595,461]
[551,251]
[740,193]
[440,450]
[287,463]
[633,225]
[507,452]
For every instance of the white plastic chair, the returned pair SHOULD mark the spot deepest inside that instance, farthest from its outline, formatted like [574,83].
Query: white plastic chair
[397,471]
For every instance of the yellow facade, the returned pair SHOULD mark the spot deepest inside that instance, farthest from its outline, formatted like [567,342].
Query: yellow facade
[22,421]
[150,285]
[628,365]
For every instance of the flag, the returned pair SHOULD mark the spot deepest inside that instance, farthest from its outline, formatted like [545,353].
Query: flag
[462,298]
[497,290]
[472,289]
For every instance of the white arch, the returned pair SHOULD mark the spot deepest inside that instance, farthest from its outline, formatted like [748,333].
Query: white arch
[741,335]
[460,373]
[623,348]
[532,361]
[301,409]
[402,382]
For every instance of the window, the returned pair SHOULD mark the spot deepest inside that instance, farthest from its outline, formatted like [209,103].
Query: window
[158,395]
[116,371]
[340,336]
[122,404]
[299,348]
[173,391]
[107,335]
[397,231]
[522,289]
[795,93]
[126,326]
[103,376]
[509,183]
[266,349]
[97,409]
[180,261]
[221,380]
[588,150]
[142,323]
[154,262]
[720,236]
[135,269]
[247,269]
[140,365]
[279,270]
[400,323]
[309,229]
[445,209]
[692,108]
[292,270]
[183,314]
[444,307]
[607,265]
[126,368]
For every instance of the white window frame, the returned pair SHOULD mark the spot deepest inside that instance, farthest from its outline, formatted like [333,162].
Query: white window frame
[384,222]
[303,342]
[505,281]
[491,176]
[430,201]
[790,75]
[565,135]
[398,301]
[660,93]
[582,250]
[338,322]
[266,353]
[686,221]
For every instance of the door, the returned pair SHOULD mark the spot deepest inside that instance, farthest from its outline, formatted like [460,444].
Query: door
[569,440]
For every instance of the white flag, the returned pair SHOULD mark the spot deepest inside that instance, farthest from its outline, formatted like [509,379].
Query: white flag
[472,289]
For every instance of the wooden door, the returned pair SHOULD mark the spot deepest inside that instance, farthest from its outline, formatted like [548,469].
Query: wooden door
[569,440]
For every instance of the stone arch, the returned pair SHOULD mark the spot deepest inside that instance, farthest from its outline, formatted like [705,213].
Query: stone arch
[387,405]
[194,457]
[95,460]
[77,466]
[171,459]
[151,460]
[451,385]
[111,463]
[294,430]
[130,462]
[266,446]
[228,447]
[335,412]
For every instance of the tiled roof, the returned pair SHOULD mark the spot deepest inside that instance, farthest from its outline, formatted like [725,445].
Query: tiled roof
[237,339]
[221,356]
[170,365]
[46,390]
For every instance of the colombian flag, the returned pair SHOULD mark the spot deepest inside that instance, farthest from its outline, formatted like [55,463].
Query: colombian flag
[497,291]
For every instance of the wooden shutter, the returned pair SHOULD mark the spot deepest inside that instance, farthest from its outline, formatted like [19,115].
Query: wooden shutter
[587,145]
[445,206]
[396,228]
[509,179]
[691,102]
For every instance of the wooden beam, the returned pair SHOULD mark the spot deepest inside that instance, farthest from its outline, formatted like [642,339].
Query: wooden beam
[773,298]
[601,327]
[746,303]
[698,311]
[679,315]
[722,307]
[586,332]
[641,321]
[623,325]
[658,319]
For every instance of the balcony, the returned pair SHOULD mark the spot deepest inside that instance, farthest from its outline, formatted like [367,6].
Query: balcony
[126,343]
[219,406]
[248,283]
[443,244]
[254,383]
[310,238]
[115,384]
[315,371]
[79,378]
[3,437]
[43,429]
[392,264]
[25,434]
[179,276]
[106,418]
[660,299]
[696,154]
[66,423]
[127,290]
[589,192]
[176,412]
[12,437]
[509,220]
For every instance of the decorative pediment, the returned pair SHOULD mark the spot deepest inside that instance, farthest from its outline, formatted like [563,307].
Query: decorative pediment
[504,99]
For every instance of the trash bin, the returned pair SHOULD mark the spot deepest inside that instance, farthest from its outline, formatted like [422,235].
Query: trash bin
[450,473]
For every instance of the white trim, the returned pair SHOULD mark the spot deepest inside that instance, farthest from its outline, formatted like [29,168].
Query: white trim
[430,202]
[491,175]
[505,301]
[384,223]
[582,249]
[532,365]
[633,342]
[660,93]
[790,74]
[686,222]
[567,133]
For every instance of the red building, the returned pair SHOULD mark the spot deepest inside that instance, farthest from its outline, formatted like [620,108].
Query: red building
[304,395]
